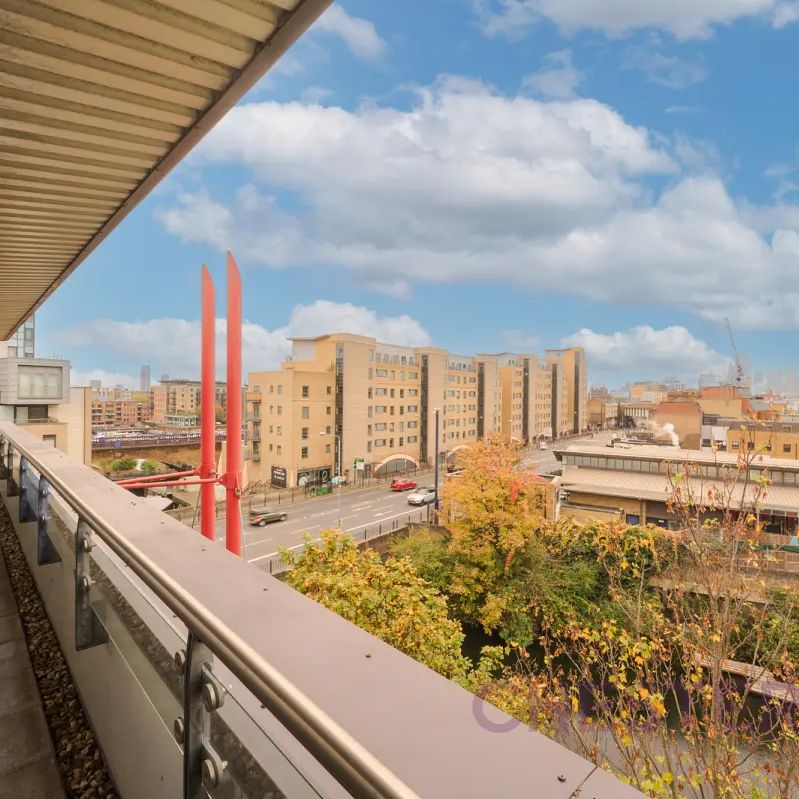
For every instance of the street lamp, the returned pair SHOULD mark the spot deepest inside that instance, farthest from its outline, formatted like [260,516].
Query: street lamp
[337,468]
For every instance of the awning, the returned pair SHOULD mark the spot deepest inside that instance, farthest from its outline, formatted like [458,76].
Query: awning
[99,100]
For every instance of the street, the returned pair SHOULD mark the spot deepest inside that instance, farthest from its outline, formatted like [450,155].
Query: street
[360,509]
[369,507]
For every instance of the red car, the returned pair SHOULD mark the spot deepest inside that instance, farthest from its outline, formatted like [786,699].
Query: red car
[401,484]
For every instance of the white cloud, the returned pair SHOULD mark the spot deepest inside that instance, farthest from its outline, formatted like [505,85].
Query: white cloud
[84,378]
[172,346]
[647,352]
[470,185]
[358,34]
[686,19]
[665,70]
[558,78]
[786,14]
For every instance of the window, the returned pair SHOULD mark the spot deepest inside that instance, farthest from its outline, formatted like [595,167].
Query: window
[412,425]
[279,449]
[304,433]
[768,446]
[786,448]
[279,410]
[327,410]
[380,442]
[306,391]
[280,389]
[736,444]
[633,519]
[305,412]
[380,426]
[705,442]
[412,392]
[328,430]
[279,430]
[270,447]
[380,408]
[304,452]
[381,392]
[39,382]
[369,431]
[381,373]
[412,439]
[413,375]
[271,389]
[391,392]
[392,410]
[413,409]
[327,447]
[369,393]
[328,390]
[391,442]
[750,445]
[402,409]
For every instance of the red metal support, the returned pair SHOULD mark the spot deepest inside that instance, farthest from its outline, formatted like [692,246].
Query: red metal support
[233,477]
[155,477]
[207,408]
[164,483]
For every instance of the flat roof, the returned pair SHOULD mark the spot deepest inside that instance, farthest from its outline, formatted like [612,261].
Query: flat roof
[657,487]
[100,100]
[674,455]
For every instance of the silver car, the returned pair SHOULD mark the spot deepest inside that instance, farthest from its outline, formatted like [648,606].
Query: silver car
[422,496]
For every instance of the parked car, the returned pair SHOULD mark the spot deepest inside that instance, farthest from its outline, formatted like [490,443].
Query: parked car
[543,445]
[422,496]
[262,516]
[402,484]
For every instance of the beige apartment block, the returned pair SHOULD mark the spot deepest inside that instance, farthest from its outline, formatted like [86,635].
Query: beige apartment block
[570,398]
[180,398]
[351,404]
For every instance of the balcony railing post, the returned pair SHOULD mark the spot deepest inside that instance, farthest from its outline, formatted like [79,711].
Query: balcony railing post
[202,695]
[89,630]
[46,553]
[11,486]
[25,510]
[3,468]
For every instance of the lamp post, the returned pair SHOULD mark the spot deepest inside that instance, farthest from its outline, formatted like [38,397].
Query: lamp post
[337,467]
[435,501]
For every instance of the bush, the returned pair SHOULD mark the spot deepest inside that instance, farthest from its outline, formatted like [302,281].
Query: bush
[123,465]
[149,467]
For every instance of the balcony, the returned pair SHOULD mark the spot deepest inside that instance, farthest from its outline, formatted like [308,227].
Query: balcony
[232,683]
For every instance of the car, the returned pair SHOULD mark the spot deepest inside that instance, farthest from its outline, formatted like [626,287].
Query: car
[262,516]
[422,496]
[402,484]
[543,445]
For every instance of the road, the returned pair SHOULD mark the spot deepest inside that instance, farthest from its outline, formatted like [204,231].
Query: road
[360,509]
[368,507]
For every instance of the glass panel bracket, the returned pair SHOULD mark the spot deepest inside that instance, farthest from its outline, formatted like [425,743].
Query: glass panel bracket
[89,629]
[203,770]
[46,553]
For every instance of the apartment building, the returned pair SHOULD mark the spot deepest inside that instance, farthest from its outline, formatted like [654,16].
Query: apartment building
[176,403]
[569,395]
[371,407]
[603,413]
[35,394]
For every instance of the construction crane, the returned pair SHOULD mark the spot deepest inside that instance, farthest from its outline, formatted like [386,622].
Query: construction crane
[739,369]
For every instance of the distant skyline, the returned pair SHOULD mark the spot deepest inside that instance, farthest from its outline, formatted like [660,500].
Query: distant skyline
[614,176]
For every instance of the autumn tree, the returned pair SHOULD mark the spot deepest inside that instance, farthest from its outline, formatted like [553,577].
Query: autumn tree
[387,599]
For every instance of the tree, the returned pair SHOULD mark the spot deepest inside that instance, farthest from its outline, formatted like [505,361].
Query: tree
[387,599]
[661,685]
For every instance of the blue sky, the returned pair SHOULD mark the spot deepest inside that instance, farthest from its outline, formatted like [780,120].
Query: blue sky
[485,175]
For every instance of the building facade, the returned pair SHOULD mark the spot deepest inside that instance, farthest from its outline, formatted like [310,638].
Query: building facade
[35,393]
[603,413]
[569,396]
[144,378]
[349,403]
[174,398]
[23,343]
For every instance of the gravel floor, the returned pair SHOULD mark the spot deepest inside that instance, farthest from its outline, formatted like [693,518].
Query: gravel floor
[77,752]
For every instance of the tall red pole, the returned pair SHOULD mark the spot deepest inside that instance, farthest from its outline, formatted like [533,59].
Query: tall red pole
[233,478]
[207,407]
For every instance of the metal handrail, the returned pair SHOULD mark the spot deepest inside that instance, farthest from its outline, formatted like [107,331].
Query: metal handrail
[358,771]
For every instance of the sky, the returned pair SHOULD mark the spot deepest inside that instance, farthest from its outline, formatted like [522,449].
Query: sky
[486,176]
